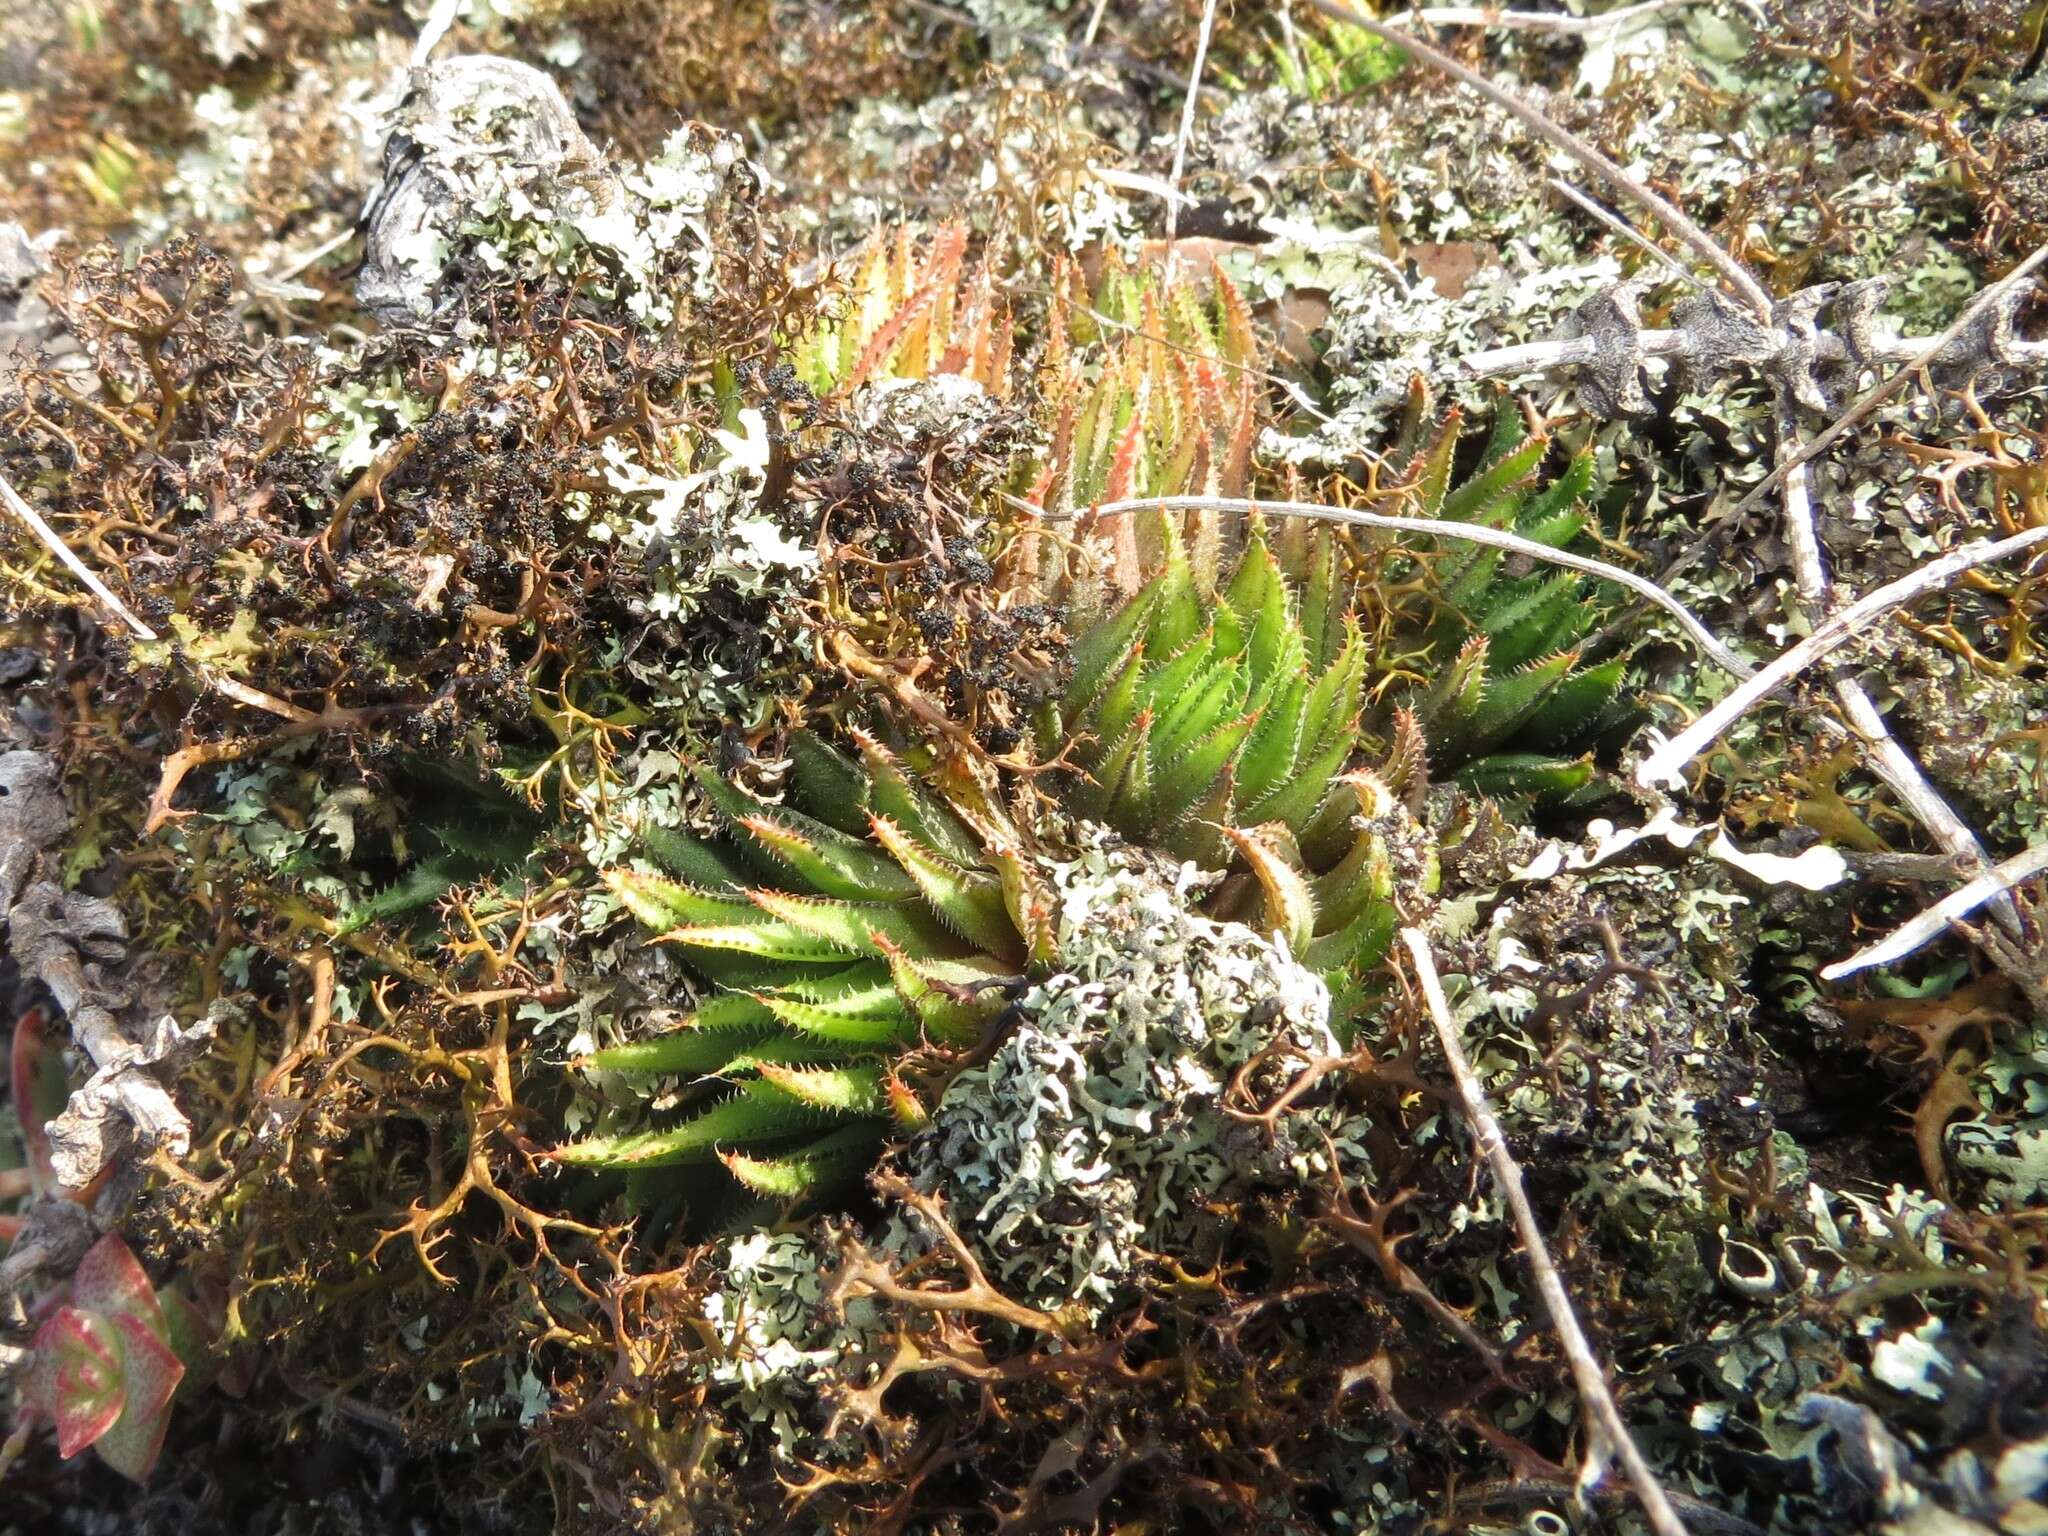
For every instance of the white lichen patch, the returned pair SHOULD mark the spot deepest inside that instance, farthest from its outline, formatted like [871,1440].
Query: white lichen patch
[226,29]
[486,160]
[1098,1132]
[780,1343]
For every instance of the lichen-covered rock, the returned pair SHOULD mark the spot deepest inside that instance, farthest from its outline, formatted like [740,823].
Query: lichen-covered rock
[486,171]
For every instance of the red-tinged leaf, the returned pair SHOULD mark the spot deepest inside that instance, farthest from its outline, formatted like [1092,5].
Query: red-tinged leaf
[1208,382]
[1201,480]
[151,1372]
[949,246]
[1040,488]
[995,372]
[150,1368]
[110,1281]
[1123,467]
[1237,458]
[1240,344]
[967,351]
[39,1092]
[1060,453]
[76,1379]
[1187,400]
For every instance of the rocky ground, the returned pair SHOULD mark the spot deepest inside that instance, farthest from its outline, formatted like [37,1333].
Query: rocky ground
[739,745]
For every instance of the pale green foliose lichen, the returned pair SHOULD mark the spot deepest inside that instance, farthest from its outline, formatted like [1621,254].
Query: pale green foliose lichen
[1102,1124]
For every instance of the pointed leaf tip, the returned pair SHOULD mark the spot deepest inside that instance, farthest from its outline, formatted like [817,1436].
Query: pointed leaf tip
[110,1280]
[76,1378]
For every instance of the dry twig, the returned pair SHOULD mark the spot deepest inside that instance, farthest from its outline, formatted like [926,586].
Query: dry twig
[1608,1432]
[1187,121]
[48,535]
[1845,624]
[1952,908]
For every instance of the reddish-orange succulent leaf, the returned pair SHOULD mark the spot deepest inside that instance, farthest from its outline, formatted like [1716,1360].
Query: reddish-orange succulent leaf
[1240,344]
[76,1378]
[110,1281]
[1123,467]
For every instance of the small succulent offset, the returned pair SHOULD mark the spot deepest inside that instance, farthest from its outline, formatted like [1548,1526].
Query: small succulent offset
[106,1365]
[1151,389]
[1512,691]
[911,314]
[840,930]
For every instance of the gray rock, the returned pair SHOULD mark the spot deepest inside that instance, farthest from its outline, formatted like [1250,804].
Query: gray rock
[473,132]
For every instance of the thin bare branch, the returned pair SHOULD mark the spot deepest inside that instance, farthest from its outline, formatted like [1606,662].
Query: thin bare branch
[1738,278]
[1934,922]
[1470,533]
[1535,21]
[56,546]
[1809,574]
[1607,1432]
[1620,226]
[1187,122]
[1662,765]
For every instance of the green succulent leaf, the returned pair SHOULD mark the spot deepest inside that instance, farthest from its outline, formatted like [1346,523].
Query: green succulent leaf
[820,1166]
[829,861]
[757,1111]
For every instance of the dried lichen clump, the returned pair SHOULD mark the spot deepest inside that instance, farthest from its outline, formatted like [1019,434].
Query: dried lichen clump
[1102,1126]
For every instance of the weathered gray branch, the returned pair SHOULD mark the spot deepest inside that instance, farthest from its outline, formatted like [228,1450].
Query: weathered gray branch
[1845,624]
[1608,1432]
[1934,922]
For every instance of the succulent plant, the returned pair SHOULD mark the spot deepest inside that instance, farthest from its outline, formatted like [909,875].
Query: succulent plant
[1150,389]
[1512,691]
[839,930]
[911,313]
[105,1367]
[1220,726]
